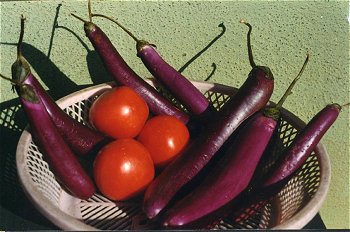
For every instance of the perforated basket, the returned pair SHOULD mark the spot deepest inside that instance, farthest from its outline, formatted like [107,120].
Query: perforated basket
[292,208]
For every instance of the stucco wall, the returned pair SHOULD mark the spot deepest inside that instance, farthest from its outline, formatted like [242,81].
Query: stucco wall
[282,34]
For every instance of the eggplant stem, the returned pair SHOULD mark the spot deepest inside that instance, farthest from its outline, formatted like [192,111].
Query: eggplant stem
[346,105]
[89,10]
[21,35]
[78,17]
[289,90]
[119,24]
[250,52]
[113,20]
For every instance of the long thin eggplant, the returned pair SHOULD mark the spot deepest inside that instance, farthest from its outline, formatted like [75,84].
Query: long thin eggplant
[232,175]
[62,161]
[292,159]
[177,84]
[79,137]
[251,97]
[124,75]
[302,146]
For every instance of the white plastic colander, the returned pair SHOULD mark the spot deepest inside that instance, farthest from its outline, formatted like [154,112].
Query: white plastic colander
[292,208]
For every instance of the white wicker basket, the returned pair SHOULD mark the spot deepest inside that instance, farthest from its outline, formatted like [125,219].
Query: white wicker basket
[292,208]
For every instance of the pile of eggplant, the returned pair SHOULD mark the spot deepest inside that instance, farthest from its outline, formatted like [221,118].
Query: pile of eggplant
[208,181]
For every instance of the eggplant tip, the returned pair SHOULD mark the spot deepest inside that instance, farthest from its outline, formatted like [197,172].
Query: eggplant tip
[152,213]
[173,221]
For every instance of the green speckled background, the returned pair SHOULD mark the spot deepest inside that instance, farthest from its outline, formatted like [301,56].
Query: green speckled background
[283,32]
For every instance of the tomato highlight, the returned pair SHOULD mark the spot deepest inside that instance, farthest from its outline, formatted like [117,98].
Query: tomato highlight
[123,169]
[165,137]
[119,112]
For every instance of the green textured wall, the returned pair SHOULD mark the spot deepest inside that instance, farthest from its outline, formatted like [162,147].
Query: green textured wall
[283,32]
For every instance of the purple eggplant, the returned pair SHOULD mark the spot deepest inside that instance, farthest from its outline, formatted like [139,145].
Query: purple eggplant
[251,97]
[124,75]
[291,160]
[228,179]
[232,175]
[62,161]
[302,146]
[79,137]
[177,84]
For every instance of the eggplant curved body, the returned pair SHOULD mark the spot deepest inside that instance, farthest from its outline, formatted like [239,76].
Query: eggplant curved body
[302,146]
[175,82]
[124,75]
[252,96]
[291,160]
[63,163]
[81,138]
[230,177]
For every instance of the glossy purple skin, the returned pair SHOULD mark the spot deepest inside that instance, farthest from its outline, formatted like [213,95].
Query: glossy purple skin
[227,180]
[61,159]
[124,75]
[81,139]
[181,88]
[303,145]
[250,98]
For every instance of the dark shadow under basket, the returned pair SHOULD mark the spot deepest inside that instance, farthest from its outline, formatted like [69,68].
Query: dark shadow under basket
[292,208]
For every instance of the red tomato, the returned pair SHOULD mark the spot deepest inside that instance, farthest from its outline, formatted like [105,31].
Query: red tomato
[119,112]
[165,137]
[123,169]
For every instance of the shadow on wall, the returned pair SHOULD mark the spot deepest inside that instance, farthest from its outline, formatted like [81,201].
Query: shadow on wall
[13,120]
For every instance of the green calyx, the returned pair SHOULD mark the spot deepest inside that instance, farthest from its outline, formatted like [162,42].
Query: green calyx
[89,27]
[272,112]
[27,92]
[20,69]
[267,71]
[140,44]
[257,70]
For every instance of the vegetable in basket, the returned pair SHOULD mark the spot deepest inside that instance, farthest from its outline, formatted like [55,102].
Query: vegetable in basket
[123,169]
[209,202]
[165,137]
[290,161]
[82,139]
[302,146]
[251,97]
[119,112]
[124,75]
[63,163]
[177,84]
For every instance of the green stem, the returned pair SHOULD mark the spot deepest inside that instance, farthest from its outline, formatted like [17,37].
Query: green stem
[20,40]
[78,17]
[25,91]
[119,24]
[114,21]
[289,90]
[250,52]
[345,105]
[14,82]
[89,10]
